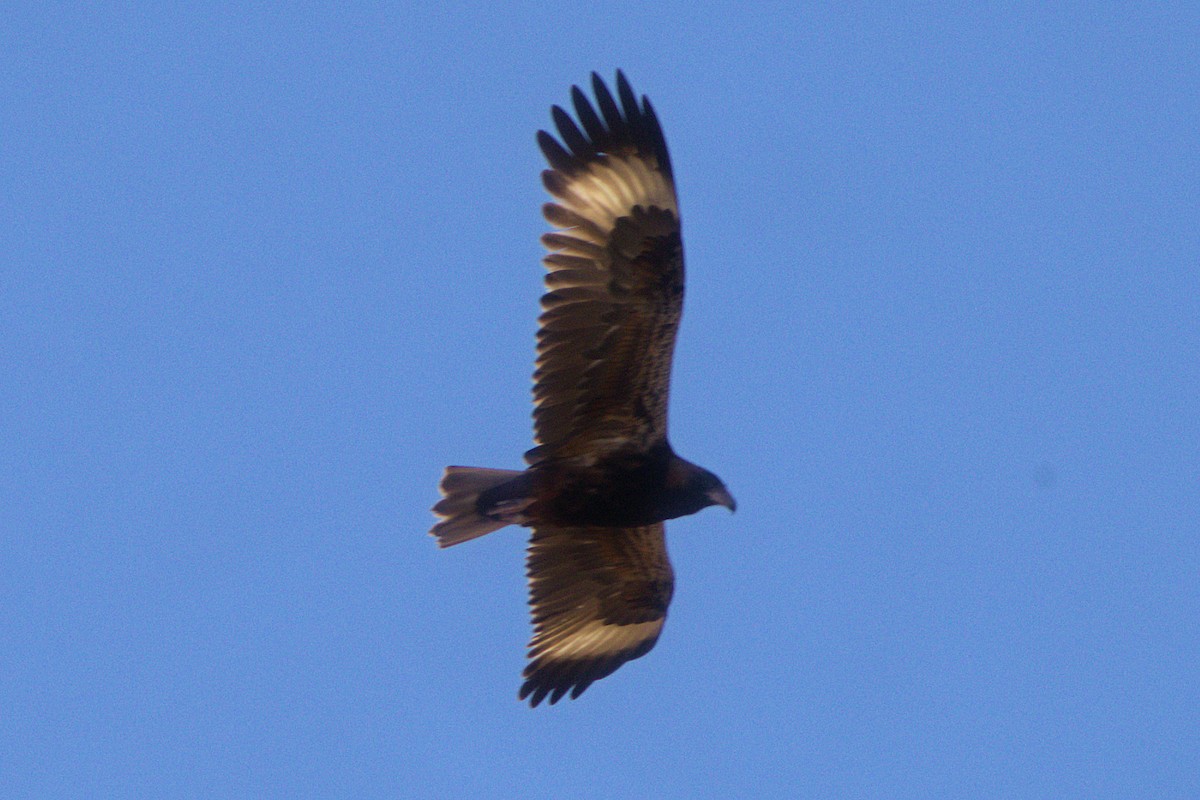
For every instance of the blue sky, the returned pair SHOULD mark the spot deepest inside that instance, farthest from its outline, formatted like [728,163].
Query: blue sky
[269,269]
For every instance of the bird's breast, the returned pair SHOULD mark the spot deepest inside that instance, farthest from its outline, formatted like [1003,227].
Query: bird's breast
[621,492]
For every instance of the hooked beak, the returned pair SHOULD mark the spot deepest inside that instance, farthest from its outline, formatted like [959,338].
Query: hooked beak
[721,497]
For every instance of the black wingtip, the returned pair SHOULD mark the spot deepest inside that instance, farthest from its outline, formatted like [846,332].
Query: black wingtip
[603,125]
[628,99]
[570,134]
[554,152]
[608,106]
[587,115]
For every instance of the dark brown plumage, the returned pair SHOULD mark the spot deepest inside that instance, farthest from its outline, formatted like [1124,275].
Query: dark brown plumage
[603,476]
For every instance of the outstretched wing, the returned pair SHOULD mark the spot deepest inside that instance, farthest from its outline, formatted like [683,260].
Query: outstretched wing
[598,598]
[615,282]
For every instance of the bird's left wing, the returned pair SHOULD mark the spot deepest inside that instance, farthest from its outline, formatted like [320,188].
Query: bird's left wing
[615,280]
[598,598]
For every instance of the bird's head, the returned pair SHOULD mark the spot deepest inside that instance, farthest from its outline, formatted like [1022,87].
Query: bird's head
[695,488]
[714,491]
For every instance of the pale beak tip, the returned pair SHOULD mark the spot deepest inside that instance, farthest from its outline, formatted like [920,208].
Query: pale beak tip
[721,497]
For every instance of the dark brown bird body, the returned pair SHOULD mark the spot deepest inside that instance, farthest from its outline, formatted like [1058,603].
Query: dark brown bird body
[624,489]
[603,476]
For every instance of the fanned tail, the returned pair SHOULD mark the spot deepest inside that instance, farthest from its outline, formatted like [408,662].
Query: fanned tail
[461,487]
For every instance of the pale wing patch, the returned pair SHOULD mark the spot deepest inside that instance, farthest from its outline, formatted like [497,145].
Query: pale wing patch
[599,598]
[607,190]
[597,638]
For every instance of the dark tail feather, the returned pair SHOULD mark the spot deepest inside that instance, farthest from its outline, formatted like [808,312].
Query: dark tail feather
[461,487]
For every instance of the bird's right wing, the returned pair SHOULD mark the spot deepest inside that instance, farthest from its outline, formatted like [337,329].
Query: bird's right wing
[599,598]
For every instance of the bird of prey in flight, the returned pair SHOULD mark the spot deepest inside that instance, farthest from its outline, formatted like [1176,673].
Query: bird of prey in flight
[603,476]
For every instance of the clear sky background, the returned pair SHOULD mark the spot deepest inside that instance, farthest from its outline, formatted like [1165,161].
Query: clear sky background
[267,270]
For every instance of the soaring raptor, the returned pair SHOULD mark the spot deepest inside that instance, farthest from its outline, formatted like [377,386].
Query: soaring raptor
[603,476]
